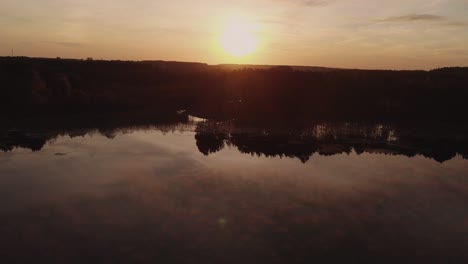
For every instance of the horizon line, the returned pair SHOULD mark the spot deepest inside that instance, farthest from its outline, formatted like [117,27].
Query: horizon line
[236,64]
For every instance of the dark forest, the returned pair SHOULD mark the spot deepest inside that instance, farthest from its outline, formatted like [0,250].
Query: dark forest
[31,86]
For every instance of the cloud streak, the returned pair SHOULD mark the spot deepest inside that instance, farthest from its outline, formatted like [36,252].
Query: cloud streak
[66,44]
[307,3]
[313,2]
[414,17]
[430,18]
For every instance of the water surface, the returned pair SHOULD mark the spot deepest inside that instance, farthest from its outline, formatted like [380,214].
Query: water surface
[182,194]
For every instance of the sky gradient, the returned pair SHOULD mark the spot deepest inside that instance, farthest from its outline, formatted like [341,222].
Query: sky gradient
[398,34]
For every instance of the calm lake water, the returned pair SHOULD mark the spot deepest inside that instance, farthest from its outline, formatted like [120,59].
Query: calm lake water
[149,195]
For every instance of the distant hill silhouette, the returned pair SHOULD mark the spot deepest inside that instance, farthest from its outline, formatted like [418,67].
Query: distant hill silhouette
[232,67]
[176,66]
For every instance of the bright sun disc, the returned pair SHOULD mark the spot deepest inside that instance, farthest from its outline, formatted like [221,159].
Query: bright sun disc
[238,37]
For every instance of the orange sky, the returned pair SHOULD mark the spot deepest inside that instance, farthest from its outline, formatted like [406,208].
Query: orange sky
[416,34]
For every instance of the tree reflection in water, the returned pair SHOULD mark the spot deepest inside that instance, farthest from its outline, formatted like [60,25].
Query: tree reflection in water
[322,138]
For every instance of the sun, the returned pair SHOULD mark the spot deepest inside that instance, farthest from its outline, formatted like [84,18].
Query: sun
[238,37]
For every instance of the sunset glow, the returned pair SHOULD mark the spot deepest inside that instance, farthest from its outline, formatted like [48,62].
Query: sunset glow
[399,34]
[238,37]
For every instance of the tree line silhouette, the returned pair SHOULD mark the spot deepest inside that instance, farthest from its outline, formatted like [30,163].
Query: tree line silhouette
[34,85]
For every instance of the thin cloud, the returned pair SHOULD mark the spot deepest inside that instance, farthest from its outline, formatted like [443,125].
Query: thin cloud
[456,23]
[313,2]
[15,19]
[285,18]
[308,3]
[271,21]
[423,18]
[67,44]
[414,17]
